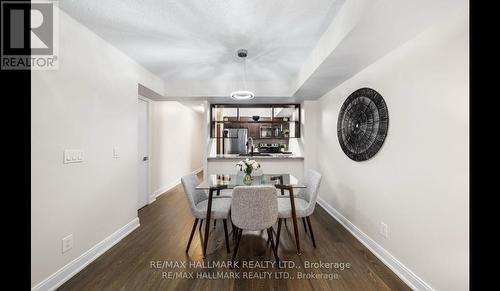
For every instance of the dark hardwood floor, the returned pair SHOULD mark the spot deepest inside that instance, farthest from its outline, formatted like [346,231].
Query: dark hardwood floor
[164,232]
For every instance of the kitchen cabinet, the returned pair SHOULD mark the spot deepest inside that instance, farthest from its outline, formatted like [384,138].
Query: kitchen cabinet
[275,121]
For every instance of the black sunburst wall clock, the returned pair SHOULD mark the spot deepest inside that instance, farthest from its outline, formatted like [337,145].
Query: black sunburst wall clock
[362,124]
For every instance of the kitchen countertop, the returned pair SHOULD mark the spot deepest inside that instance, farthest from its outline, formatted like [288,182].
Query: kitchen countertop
[272,156]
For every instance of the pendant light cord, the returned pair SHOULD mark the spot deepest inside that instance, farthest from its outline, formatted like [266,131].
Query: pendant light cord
[245,74]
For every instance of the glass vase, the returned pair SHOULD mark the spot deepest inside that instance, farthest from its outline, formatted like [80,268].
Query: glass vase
[247,179]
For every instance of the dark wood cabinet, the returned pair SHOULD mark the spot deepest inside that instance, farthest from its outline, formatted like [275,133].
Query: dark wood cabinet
[279,121]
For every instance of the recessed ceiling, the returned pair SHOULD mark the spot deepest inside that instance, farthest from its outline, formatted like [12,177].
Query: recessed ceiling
[189,40]
[297,50]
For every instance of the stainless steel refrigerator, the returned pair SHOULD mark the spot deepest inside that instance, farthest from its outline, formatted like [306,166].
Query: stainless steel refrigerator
[234,141]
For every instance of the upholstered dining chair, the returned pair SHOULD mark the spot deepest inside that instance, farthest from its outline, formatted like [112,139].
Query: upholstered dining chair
[305,202]
[254,208]
[198,203]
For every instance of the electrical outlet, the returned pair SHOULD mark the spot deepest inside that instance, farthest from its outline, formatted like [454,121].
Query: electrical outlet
[67,243]
[116,152]
[384,230]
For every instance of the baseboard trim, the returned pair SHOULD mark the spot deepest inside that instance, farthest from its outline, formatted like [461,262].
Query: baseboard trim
[408,276]
[164,189]
[72,268]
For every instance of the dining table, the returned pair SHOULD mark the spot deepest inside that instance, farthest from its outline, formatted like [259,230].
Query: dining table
[214,183]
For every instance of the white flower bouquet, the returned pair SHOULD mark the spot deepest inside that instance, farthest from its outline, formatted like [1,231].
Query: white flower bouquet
[247,166]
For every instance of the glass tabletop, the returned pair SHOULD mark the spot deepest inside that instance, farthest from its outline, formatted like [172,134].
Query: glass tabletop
[229,181]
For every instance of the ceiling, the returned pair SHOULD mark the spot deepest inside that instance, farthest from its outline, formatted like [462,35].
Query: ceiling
[197,40]
[297,50]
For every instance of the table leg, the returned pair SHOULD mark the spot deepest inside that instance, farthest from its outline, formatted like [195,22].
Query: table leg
[218,194]
[226,236]
[207,221]
[281,183]
[294,220]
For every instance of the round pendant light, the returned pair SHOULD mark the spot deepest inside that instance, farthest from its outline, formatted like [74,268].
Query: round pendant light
[243,94]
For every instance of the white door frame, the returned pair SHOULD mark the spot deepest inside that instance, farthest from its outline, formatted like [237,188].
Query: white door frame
[151,197]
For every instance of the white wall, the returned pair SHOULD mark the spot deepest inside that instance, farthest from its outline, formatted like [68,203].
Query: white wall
[418,182]
[309,134]
[90,103]
[177,143]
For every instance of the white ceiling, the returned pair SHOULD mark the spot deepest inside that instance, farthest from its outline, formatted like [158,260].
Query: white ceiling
[188,40]
[380,27]
[298,49]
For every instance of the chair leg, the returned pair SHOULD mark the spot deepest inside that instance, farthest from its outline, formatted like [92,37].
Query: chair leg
[240,232]
[224,221]
[270,234]
[207,222]
[201,223]
[311,231]
[230,220]
[278,234]
[205,239]
[304,223]
[234,229]
[235,233]
[192,233]
[216,193]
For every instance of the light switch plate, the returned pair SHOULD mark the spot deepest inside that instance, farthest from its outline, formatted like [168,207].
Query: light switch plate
[73,156]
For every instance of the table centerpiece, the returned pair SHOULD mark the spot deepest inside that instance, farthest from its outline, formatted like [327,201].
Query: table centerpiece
[247,166]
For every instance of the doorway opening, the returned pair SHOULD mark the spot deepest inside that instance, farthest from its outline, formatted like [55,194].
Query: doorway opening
[143,149]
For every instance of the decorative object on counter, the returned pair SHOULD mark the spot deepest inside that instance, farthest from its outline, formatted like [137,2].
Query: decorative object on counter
[286,132]
[256,117]
[247,166]
[226,118]
[362,124]
[285,118]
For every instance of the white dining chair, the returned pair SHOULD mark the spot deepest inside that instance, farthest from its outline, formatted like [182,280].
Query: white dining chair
[305,203]
[198,203]
[254,208]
